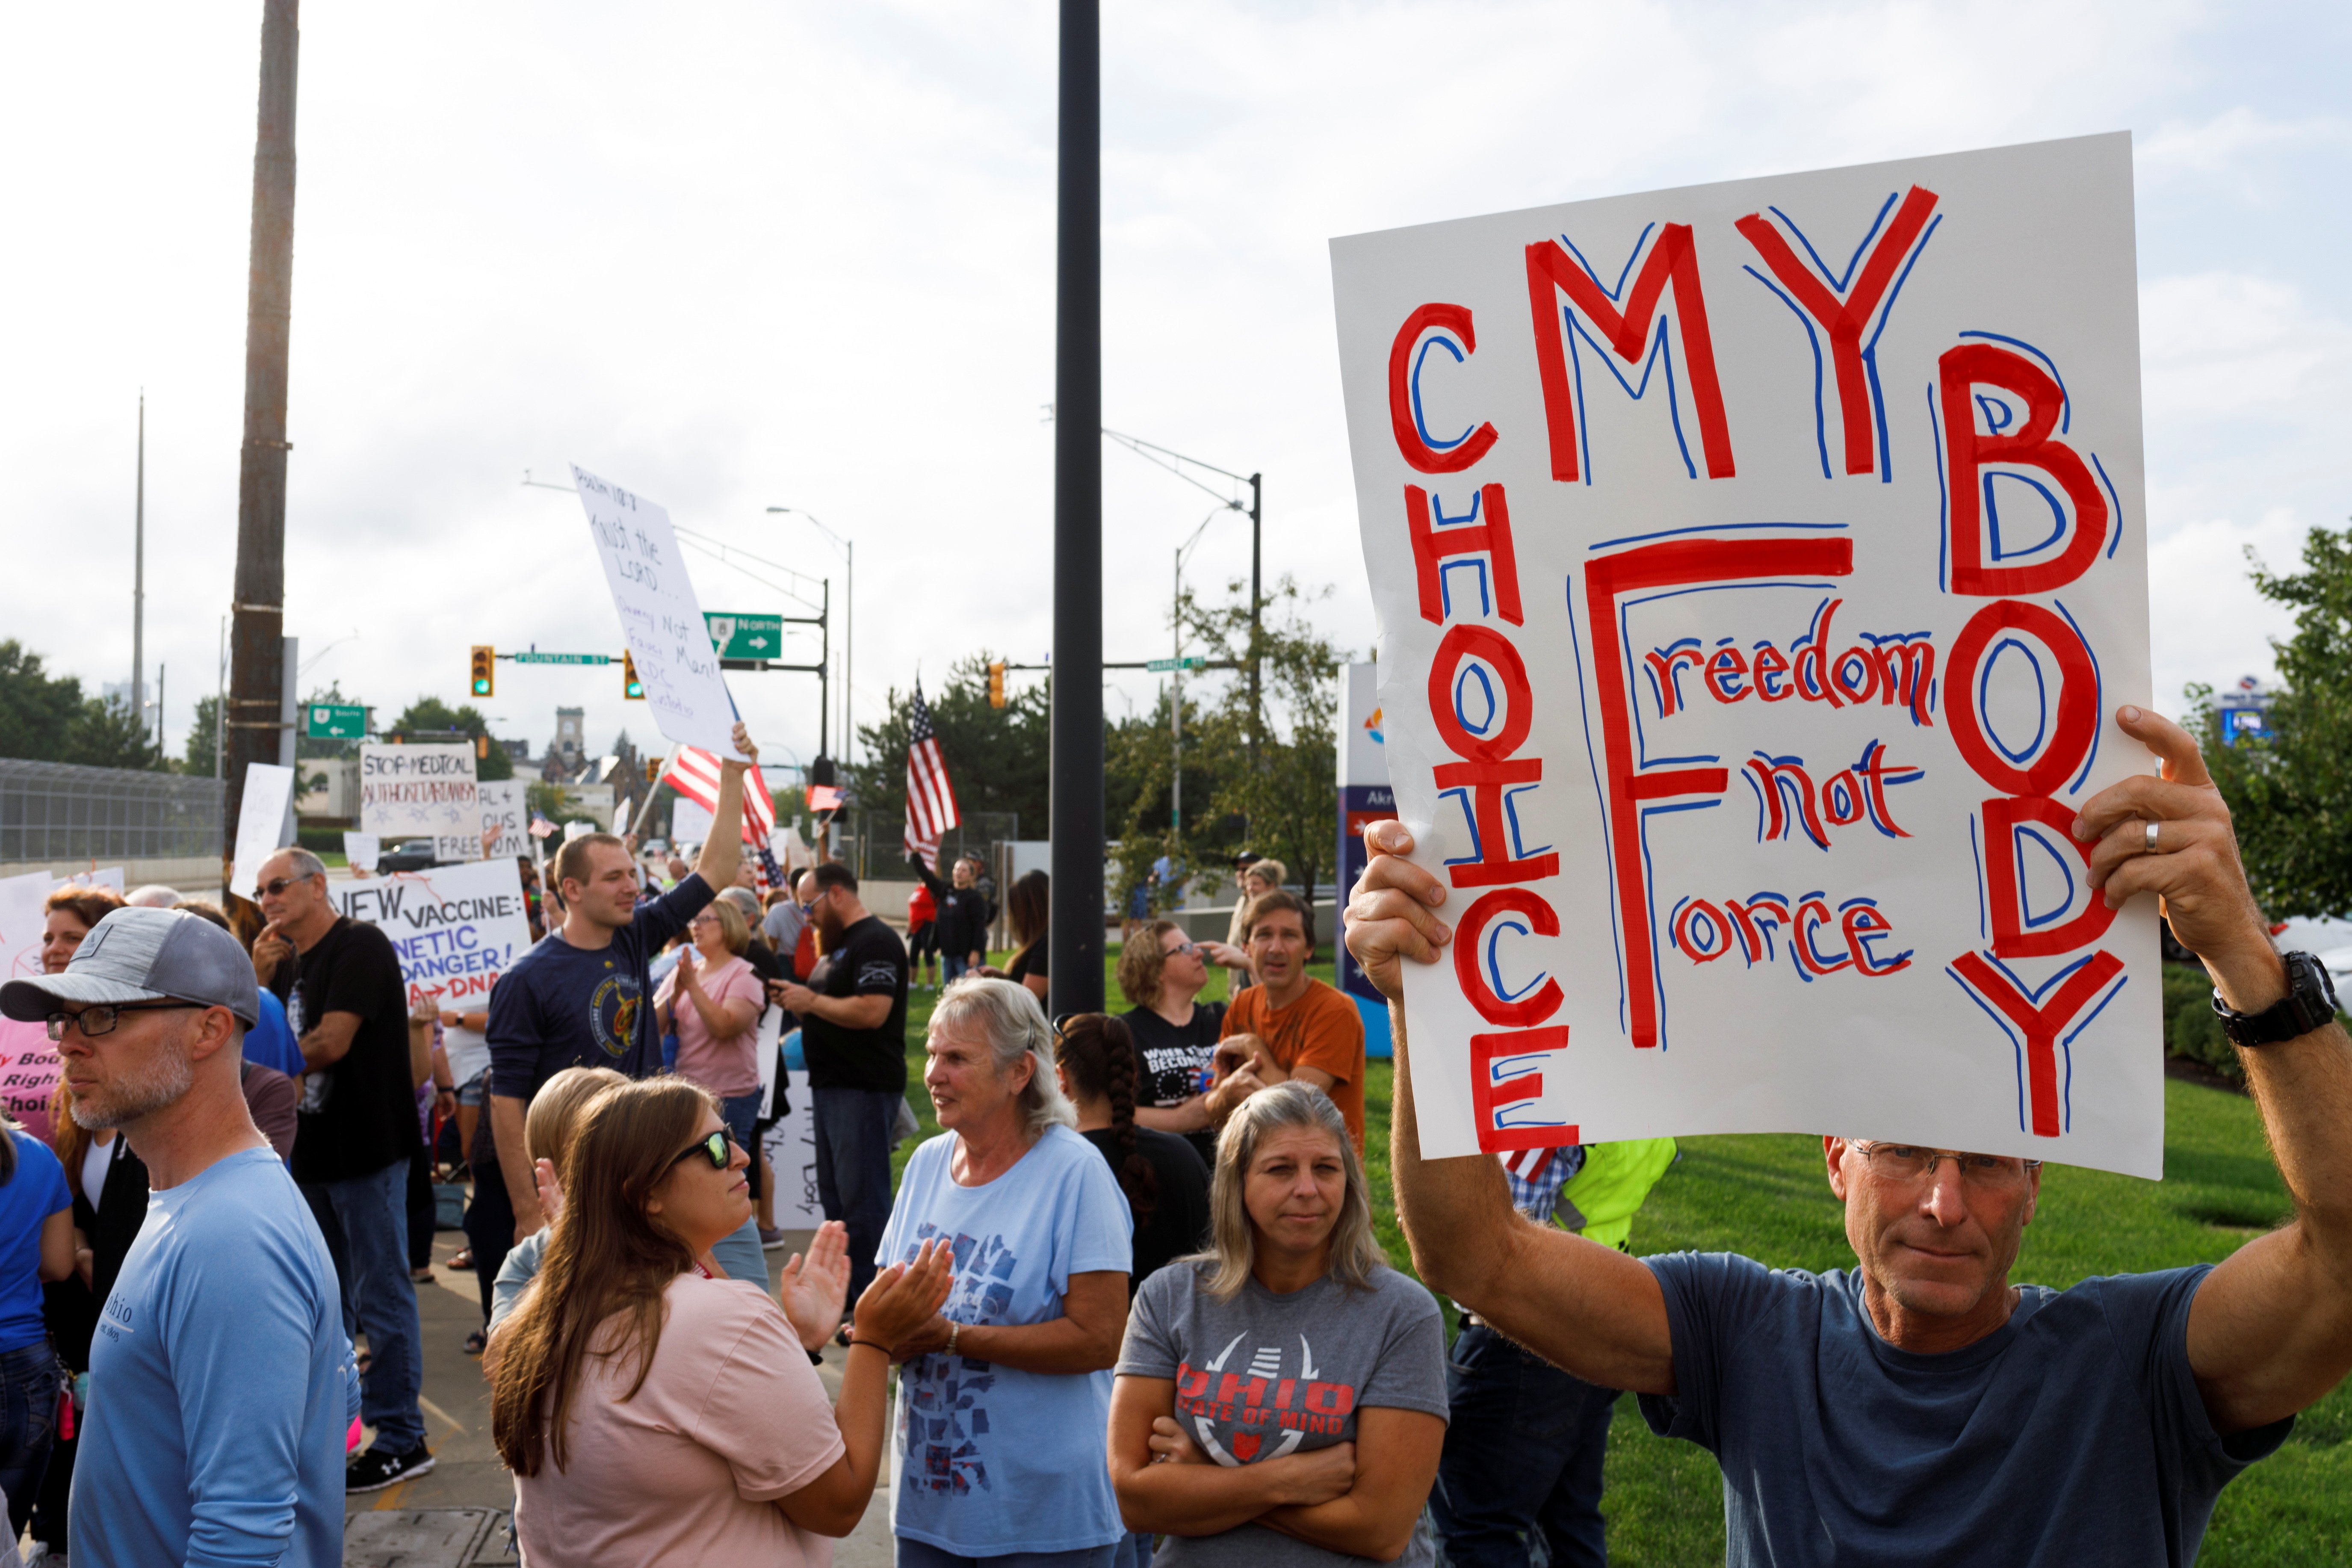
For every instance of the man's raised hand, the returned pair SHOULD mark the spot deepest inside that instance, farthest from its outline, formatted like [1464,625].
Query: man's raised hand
[2193,867]
[747,754]
[1389,914]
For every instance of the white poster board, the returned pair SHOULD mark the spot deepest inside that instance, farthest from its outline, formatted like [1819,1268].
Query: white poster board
[361,851]
[660,616]
[791,1147]
[110,877]
[689,823]
[502,808]
[421,792]
[260,823]
[456,930]
[1759,566]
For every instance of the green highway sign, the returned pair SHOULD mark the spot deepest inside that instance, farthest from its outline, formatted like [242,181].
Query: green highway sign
[739,636]
[1162,666]
[334,721]
[560,657]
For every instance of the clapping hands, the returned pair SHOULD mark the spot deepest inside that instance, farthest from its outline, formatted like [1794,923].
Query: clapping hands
[814,1288]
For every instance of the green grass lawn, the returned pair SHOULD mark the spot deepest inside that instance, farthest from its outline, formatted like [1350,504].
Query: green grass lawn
[1766,1196]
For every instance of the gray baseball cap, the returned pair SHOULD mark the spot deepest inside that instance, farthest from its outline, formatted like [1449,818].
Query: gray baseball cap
[145,955]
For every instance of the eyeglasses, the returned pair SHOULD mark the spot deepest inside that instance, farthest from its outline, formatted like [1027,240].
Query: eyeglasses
[270,890]
[100,1018]
[715,1148]
[1903,1164]
[1184,949]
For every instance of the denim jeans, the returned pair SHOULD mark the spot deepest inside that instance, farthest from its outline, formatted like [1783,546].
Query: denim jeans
[366,1221]
[922,1555]
[741,1112]
[853,1170]
[29,1419]
[1522,1457]
[952,966]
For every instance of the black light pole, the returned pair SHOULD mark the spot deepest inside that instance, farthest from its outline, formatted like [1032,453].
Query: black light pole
[1075,935]
[258,677]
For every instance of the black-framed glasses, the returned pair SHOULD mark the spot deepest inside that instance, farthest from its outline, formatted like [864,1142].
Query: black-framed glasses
[1906,1163]
[100,1017]
[276,886]
[713,1147]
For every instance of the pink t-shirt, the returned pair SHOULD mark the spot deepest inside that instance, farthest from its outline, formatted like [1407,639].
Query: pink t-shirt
[725,1067]
[731,1417]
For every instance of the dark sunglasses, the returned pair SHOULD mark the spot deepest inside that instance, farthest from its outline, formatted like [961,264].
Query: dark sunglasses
[714,1147]
[270,890]
[100,1018]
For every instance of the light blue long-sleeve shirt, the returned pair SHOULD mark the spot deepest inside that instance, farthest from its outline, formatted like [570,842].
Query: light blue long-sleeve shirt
[221,1385]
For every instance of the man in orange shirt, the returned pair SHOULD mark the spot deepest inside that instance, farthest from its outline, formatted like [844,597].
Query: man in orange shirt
[1289,1025]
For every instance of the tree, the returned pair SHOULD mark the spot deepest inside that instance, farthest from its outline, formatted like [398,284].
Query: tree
[105,733]
[1287,805]
[204,731]
[430,713]
[998,759]
[2290,795]
[36,707]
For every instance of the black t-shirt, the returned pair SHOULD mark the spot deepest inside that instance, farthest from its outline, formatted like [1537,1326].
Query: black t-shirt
[359,1114]
[1179,1216]
[1170,1060]
[1030,960]
[564,1006]
[869,961]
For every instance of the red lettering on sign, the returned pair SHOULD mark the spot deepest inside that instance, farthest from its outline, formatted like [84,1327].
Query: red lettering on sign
[1488,1097]
[2011,937]
[2077,720]
[1402,373]
[2040,1024]
[1967,455]
[1541,1001]
[1434,546]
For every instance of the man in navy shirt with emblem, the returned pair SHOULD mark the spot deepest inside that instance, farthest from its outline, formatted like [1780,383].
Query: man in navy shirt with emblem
[582,998]
[1919,1408]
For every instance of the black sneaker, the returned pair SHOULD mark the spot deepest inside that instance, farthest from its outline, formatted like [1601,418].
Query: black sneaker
[377,1469]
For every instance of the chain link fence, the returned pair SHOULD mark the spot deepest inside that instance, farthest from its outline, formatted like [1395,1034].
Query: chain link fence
[55,811]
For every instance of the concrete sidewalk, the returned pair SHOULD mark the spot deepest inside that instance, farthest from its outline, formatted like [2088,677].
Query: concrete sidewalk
[455,1516]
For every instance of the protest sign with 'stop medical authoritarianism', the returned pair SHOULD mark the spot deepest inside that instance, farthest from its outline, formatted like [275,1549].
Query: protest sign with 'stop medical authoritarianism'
[421,792]
[1759,566]
[660,616]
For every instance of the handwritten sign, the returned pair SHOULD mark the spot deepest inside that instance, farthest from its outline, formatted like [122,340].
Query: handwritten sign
[421,792]
[791,1148]
[659,616]
[456,930]
[28,1062]
[1757,567]
[502,808]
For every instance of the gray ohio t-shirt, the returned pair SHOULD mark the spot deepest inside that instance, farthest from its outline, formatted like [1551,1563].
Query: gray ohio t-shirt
[1264,1375]
[2072,1435]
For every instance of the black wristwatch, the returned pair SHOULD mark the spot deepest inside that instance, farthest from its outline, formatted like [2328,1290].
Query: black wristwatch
[2309,1002]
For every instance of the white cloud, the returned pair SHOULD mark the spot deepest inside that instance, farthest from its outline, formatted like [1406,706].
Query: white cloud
[2221,342]
[2221,144]
[2206,623]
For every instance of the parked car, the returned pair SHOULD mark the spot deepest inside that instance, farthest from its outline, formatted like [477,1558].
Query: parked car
[408,855]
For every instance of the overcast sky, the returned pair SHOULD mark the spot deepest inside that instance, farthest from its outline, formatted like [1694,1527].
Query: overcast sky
[744,256]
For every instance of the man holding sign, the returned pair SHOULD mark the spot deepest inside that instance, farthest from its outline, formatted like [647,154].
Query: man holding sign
[1921,1409]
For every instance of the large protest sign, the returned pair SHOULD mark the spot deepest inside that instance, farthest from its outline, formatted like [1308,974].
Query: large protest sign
[28,1062]
[260,823]
[1757,567]
[421,792]
[502,808]
[791,1148]
[660,616]
[456,930]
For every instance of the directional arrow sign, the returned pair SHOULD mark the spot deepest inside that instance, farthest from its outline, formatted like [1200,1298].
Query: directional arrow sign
[334,721]
[737,635]
[1162,666]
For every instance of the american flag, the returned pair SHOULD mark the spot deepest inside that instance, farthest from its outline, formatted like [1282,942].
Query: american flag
[931,799]
[693,774]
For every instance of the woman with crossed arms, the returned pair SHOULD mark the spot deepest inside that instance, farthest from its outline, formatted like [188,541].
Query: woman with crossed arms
[1281,1398]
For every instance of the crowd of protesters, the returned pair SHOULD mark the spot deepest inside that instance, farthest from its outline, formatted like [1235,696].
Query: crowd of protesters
[1132,1289]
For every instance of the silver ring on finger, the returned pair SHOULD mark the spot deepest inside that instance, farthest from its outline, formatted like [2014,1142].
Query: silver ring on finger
[2149,838]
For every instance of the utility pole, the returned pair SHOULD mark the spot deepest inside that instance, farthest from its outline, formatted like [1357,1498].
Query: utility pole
[1075,939]
[139,581]
[258,678]
[1258,607]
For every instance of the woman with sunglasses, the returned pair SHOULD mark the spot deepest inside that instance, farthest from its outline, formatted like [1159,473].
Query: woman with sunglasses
[1162,970]
[652,1413]
[712,1001]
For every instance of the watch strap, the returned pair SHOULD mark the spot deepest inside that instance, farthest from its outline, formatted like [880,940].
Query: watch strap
[2309,1002]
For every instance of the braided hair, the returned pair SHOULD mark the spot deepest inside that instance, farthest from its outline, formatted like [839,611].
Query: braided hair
[1100,1056]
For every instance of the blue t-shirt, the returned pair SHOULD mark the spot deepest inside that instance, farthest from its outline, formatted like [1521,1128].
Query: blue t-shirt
[36,1191]
[271,1043]
[999,1461]
[2072,1435]
[564,1006]
[220,1384]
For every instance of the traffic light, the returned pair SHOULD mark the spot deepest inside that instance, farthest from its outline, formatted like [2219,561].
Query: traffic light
[652,770]
[996,684]
[631,687]
[485,671]
[481,748]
